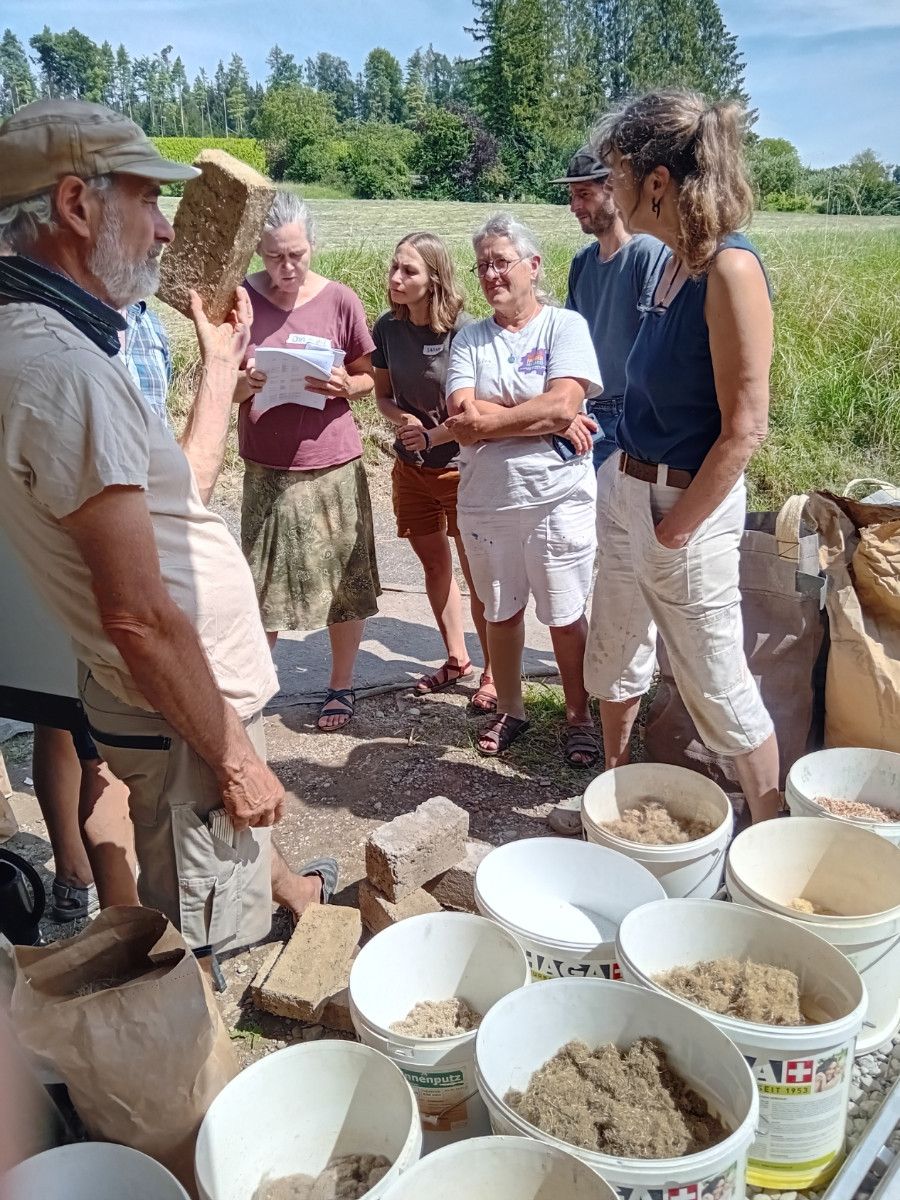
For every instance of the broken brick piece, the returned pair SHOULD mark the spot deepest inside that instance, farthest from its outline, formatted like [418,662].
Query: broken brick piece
[379,913]
[415,847]
[456,888]
[315,963]
[217,228]
[272,955]
[336,1013]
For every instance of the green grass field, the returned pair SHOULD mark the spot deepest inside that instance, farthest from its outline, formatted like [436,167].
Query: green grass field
[836,375]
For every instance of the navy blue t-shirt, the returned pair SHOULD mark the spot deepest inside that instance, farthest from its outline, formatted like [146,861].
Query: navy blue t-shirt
[671,413]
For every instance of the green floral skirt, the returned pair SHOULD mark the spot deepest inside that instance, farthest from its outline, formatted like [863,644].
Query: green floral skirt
[310,543]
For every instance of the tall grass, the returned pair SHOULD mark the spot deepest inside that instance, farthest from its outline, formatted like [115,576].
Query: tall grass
[835,380]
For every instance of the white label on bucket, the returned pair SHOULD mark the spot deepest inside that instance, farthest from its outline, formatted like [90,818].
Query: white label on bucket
[802,1108]
[721,1186]
[441,1096]
[545,967]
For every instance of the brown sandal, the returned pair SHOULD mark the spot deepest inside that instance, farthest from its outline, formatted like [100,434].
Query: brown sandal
[483,701]
[584,741]
[500,734]
[445,677]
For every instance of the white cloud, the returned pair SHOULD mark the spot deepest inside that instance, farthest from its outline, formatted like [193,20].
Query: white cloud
[809,18]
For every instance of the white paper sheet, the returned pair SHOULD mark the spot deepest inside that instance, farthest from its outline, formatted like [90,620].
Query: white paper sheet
[287,369]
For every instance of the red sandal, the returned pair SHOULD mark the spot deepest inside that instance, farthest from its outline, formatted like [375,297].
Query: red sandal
[445,677]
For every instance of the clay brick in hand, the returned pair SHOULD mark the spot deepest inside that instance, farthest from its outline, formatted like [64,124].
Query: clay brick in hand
[314,965]
[217,228]
[414,847]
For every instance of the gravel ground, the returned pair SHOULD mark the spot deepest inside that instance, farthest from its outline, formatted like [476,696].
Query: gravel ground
[398,751]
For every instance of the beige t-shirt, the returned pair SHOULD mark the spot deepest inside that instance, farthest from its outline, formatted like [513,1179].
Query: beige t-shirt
[71,424]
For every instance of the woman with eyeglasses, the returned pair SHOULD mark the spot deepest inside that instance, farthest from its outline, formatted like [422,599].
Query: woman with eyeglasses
[672,504]
[412,349]
[516,387]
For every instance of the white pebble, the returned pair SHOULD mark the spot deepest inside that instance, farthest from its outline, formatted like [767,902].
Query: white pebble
[414,712]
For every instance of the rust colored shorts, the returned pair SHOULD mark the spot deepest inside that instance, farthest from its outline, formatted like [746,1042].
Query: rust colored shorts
[424,499]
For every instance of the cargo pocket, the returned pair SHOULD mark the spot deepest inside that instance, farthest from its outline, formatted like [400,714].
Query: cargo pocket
[210,876]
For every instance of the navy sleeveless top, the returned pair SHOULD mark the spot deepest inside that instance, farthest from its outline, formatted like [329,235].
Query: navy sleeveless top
[671,414]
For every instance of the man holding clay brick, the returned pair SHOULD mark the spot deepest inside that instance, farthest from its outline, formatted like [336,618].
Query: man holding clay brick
[107,512]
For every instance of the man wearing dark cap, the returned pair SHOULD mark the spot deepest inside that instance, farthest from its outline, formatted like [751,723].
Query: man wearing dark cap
[607,279]
[107,512]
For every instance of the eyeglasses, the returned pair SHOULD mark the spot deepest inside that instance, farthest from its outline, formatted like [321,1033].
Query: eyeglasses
[499,266]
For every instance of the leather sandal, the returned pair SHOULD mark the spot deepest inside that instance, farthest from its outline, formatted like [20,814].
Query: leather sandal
[444,677]
[483,700]
[339,702]
[584,741]
[500,734]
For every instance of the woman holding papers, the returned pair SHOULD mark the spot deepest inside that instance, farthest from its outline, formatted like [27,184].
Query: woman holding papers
[412,349]
[306,521]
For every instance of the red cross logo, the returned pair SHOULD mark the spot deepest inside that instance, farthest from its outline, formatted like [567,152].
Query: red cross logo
[800,1070]
[685,1191]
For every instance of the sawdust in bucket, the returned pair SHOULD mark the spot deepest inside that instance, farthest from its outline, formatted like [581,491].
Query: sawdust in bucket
[650,823]
[438,1018]
[802,905]
[858,810]
[346,1178]
[750,991]
[628,1102]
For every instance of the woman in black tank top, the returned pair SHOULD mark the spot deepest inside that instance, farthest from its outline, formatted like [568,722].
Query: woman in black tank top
[672,507]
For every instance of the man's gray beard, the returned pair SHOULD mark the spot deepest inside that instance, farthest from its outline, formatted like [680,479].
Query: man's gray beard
[123,282]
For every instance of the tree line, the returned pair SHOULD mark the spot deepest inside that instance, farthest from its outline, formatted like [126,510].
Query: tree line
[499,124]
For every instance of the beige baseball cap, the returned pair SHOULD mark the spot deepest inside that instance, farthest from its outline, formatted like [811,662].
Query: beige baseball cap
[48,139]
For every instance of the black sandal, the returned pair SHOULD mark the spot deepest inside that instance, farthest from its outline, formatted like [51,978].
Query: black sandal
[584,741]
[501,733]
[338,702]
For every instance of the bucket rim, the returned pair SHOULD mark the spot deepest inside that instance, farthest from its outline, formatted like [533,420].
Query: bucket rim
[730,1147]
[841,1028]
[654,850]
[530,936]
[487,926]
[756,832]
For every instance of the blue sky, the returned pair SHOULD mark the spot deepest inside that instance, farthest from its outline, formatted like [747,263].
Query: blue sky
[823,73]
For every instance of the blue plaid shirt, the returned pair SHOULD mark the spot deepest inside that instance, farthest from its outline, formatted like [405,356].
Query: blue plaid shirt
[147,357]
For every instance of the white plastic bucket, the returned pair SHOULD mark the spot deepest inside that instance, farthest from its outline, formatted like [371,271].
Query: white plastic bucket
[872,776]
[435,957]
[527,1028]
[802,1129]
[687,869]
[501,1168]
[563,901]
[290,1113]
[836,866]
[91,1171]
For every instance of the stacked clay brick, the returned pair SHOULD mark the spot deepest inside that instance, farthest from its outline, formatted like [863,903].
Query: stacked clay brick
[421,862]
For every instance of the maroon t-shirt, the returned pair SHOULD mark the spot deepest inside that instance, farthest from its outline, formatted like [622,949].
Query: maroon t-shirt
[293,437]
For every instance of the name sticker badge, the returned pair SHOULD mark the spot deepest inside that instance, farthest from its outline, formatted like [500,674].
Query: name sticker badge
[309,341]
[432,350]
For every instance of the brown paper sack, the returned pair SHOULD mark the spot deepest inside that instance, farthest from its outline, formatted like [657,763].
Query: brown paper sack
[123,1014]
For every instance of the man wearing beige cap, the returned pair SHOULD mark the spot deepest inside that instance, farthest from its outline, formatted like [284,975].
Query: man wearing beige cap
[107,512]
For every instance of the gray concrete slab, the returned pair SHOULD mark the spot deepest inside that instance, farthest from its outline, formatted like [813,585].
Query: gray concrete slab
[400,643]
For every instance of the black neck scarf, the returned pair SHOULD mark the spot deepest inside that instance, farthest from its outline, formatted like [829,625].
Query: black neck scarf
[22,280]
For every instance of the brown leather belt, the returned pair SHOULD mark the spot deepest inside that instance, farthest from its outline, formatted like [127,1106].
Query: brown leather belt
[648,472]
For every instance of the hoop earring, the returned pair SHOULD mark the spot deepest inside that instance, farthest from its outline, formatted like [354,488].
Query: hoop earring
[656,205]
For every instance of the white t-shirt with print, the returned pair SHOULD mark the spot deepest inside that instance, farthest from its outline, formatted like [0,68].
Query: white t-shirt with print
[507,368]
